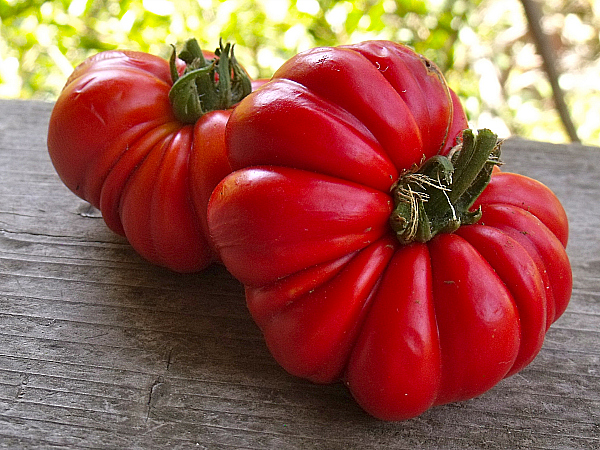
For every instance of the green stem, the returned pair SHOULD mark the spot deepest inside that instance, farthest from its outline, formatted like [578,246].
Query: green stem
[216,84]
[437,197]
[472,158]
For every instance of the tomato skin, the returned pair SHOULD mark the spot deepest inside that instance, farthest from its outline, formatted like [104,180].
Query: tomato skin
[400,339]
[110,94]
[429,335]
[519,272]
[319,125]
[305,227]
[347,126]
[268,241]
[420,85]
[477,320]
[543,245]
[531,195]
[321,327]
[115,142]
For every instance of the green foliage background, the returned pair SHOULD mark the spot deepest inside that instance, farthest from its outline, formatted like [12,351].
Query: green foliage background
[483,46]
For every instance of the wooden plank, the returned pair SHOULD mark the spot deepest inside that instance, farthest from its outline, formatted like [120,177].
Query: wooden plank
[101,350]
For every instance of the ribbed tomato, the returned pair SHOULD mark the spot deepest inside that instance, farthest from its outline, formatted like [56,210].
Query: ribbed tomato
[142,139]
[370,257]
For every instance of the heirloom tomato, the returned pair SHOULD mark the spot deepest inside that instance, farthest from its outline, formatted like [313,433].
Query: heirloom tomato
[142,140]
[373,249]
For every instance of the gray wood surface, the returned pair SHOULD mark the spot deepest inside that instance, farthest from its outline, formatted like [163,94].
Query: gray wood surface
[101,350]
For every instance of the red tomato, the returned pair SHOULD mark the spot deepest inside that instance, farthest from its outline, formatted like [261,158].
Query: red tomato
[360,267]
[116,141]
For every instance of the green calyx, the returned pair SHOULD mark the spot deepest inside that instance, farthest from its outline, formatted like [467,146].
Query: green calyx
[437,196]
[206,85]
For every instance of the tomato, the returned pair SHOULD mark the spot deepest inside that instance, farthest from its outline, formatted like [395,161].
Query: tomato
[130,135]
[370,252]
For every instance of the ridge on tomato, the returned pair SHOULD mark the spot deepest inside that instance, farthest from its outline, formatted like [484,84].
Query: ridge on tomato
[378,243]
[142,140]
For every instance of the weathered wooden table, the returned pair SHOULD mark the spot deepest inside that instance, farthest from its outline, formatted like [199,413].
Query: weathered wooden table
[99,349]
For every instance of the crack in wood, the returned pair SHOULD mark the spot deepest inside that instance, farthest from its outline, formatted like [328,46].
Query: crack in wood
[160,387]
[6,232]
[22,386]
[170,357]
[158,390]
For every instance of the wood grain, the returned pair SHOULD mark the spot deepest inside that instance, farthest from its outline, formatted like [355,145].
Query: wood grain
[101,350]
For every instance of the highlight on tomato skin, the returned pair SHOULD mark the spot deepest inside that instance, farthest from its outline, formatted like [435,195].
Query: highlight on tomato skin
[389,254]
[142,139]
